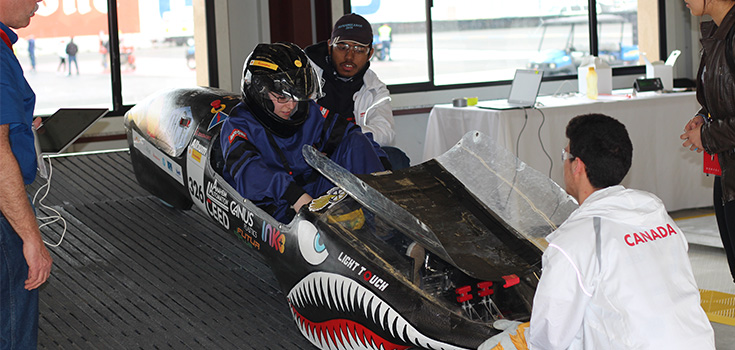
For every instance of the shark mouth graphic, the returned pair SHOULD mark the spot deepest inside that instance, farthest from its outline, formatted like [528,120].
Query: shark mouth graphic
[351,316]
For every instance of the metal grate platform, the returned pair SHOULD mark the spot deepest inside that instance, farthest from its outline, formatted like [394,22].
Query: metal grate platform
[132,273]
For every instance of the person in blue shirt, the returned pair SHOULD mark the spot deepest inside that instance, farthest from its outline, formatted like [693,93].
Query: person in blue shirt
[262,139]
[25,263]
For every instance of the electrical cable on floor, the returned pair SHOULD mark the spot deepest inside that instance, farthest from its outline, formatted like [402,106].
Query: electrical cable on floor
[551,160]
[52,218]
[518,142]
[543,120]
[525,122]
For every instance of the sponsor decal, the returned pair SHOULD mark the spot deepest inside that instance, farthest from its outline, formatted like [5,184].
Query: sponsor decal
[196,156]
[363,272]
[198,146]
[248,238]
[219,117]
[217,194]
[246,216]
[264,64]
[216,204]
[237,133]
[273,237]
[331,197]
[660,232]
[202,135]
[196,150]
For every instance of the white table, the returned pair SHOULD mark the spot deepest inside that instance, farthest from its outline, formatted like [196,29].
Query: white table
[654,121]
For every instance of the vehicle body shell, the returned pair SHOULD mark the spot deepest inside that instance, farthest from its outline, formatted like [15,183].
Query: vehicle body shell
[341,262]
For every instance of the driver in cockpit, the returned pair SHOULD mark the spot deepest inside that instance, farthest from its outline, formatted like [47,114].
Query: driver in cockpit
[262,139]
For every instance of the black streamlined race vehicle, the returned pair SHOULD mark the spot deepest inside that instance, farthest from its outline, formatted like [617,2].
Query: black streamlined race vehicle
[479,213]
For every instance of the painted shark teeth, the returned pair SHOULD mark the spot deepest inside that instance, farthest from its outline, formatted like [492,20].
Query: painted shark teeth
[342,295]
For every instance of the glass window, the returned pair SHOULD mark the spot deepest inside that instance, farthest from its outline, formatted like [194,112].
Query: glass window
[481,40]
[618,23]
[154,54]
[50,36]
[156,38]
[563,40]
[399,39]
[475,41]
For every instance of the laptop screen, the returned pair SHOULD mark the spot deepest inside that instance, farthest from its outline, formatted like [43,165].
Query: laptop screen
[525,87]
[64,127]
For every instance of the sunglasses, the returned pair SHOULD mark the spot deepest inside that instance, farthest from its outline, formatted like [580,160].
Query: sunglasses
[356,49]
[566,155]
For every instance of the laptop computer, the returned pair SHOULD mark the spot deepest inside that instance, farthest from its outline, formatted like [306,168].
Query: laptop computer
[61,129]
[523,91]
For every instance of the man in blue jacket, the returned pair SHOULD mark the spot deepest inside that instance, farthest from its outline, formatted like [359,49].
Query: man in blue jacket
[25,263]
[262,139]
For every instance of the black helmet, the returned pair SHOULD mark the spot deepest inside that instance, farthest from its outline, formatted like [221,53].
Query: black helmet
[283,69]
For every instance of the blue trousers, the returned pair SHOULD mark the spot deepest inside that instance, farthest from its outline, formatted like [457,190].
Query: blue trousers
[18,307]
[76,65]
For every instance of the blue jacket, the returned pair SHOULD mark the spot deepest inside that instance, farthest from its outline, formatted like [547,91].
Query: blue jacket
[271,171]
[17,102]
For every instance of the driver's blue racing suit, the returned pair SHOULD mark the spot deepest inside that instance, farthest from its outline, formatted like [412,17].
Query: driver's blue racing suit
[271,171]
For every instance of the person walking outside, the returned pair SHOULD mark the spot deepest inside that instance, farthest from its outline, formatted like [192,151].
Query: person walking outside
[61,52]
[385,35]
[71,52]
[32,52]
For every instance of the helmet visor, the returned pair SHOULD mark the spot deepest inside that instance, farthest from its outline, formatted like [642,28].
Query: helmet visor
[301,84]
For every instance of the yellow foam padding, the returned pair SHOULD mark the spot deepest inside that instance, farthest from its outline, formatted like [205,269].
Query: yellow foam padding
[720,307]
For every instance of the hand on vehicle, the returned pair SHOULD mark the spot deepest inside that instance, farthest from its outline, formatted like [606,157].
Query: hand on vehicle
[513,336]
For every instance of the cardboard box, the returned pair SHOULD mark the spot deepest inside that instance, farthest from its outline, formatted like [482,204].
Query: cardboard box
[662,70]
[659,70]
[604,75]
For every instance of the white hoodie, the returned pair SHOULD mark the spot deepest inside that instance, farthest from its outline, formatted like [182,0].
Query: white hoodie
[629,287]
[373,112]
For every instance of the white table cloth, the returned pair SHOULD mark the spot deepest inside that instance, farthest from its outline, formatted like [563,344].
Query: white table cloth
[654,121]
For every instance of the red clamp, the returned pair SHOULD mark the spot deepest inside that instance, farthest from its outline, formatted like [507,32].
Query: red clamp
[464,294]
[511,280]
[485,289]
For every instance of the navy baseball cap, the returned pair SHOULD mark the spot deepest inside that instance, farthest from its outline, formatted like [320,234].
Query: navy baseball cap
[352,27]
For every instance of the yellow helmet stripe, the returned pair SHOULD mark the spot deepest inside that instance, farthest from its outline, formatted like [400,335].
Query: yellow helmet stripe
[264,64]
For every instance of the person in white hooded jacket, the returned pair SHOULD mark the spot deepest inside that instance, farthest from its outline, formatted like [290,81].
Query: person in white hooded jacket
[352,89]
[616,274]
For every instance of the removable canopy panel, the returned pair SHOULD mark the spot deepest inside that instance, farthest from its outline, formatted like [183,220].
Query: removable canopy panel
[477,206]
